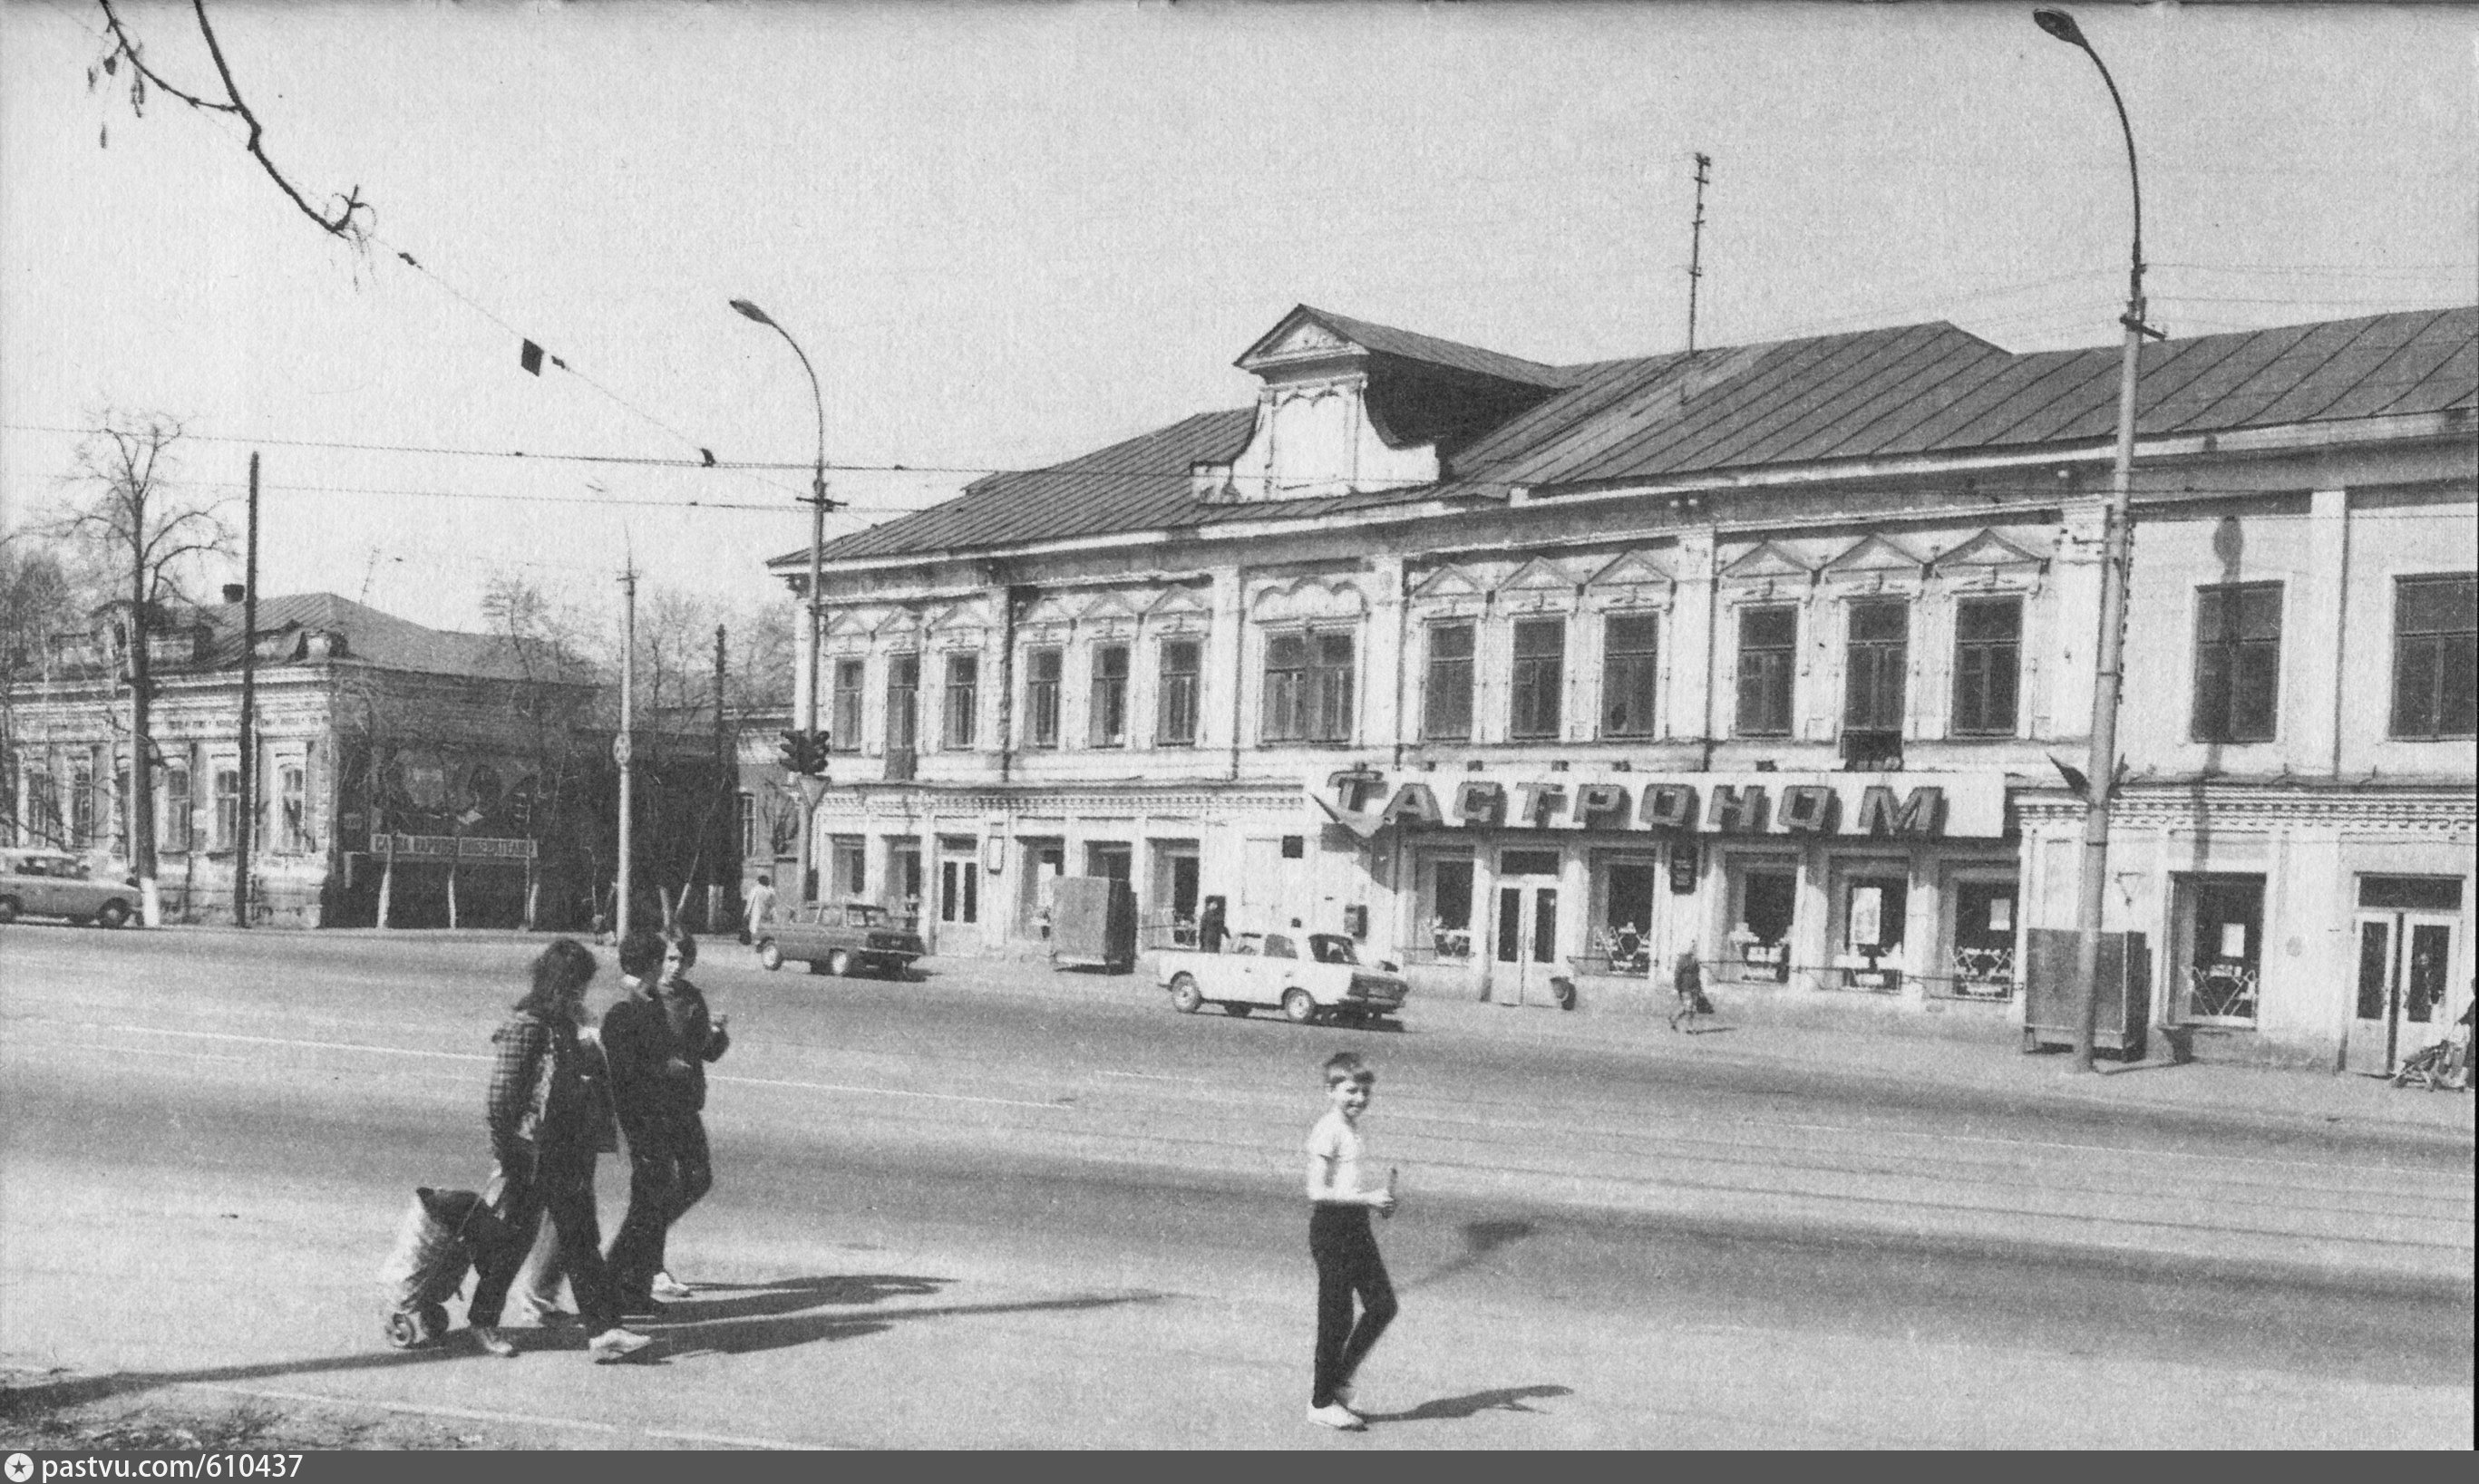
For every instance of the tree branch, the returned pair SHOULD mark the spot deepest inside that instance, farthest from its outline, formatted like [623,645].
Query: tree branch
[346,221]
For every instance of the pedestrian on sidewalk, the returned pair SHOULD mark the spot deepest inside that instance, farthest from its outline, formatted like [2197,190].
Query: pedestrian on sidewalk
[657,1041]
[547,1121]
[760,903]
[1687,982]
[1343,1245]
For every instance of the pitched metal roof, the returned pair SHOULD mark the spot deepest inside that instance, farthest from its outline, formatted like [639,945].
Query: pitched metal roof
[1911,390]
[384,641]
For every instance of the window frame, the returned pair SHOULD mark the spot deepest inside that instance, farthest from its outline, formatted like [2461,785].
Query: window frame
[1777,676]
[227,827]
[1875,670]
[904,717]
[1318,704]
[1449,675]
[1972,703]
[850,701]
[1041,694]
[960,703]
[291,806]
[2448,651]
[2226,663]
[1642,663]
[1106,694]
[179,826]
[1178,691]
[1536,682]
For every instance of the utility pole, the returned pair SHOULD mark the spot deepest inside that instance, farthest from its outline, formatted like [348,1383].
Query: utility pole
[244,832]
[623,746]
[2099,765]
[1696,248]
[722,892]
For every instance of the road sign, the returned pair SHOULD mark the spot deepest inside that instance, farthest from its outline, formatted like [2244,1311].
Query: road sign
[623,748]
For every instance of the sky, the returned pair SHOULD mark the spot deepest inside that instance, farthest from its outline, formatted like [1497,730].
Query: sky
[1008,233]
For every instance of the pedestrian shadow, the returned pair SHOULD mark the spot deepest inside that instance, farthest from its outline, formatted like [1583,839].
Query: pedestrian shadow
[1710,1029]
[1504,1399]
[761,1300]
[687,1335]
[1480,1240]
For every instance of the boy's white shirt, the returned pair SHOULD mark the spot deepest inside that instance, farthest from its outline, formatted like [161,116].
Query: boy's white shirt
[1335,1144]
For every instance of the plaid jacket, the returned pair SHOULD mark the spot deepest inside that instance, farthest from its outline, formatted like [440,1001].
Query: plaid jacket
[540,1065]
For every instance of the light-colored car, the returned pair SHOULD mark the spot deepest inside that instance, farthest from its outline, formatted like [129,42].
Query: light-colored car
[1317,975]
[51,883]
[838,938]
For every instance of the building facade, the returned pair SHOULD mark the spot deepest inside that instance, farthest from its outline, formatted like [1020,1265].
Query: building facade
[405,776]
[1519,671]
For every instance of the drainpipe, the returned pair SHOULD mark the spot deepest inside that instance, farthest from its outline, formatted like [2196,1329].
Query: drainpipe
[1402,653]
[1009,599]
[1239,658]
[2340,627]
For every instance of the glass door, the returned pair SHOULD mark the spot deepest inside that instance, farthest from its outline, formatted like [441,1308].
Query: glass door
[1526,950]
[2405,963]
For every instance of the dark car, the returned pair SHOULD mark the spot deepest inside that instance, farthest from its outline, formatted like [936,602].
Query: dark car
[839,937]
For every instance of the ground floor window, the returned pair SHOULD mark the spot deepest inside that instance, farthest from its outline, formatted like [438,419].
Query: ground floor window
[1622,897]
[1764,904]
[1870,907]
[1044,863]
[1177,874]
[904,876]
[849,865]
[2218,953]
[1446,908]
[1979,958]
[1112,859]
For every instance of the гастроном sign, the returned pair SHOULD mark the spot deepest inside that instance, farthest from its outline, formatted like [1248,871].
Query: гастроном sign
[1910,805]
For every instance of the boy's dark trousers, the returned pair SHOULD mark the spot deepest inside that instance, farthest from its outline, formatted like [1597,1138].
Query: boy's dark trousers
[1347,1264]
[670,1170]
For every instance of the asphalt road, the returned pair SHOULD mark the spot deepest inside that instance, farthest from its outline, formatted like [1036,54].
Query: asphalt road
[980,1211]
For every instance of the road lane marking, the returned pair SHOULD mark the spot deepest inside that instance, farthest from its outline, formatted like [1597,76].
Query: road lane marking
[467,1056]
[935,1097]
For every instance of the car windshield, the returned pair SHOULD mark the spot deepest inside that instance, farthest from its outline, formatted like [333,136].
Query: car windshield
[1331,948]
[860,914]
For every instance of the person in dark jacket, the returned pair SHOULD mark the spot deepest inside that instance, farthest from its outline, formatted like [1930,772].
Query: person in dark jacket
[547,1119]
[657,1041]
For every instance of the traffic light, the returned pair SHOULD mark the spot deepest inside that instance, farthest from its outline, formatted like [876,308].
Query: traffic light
[804,753]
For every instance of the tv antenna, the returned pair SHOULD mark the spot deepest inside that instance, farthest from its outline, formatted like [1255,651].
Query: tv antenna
[1696,246]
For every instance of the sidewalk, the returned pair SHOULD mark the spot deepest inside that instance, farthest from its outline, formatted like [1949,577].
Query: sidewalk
[1865,1047]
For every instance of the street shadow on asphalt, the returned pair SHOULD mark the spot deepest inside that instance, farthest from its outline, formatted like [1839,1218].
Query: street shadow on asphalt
[1480,1240]
[1504,1399]
[786,1314]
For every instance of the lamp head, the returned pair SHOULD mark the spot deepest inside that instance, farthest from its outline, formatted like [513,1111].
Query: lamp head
[753,311]
[2059,24]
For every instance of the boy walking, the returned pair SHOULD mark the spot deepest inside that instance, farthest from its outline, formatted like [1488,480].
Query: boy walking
[657,1041]
[1344,1248]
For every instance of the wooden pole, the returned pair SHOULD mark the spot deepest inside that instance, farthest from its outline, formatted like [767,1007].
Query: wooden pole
[245,834]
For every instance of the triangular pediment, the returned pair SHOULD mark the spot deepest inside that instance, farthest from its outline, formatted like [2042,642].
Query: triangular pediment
[900,621]
[1179,602]
[844,623]
[1875,554]
[974,613]
[1539,575]
[1988,549]
[1634,569]
[1052,610]
[1767,560]
[1300,336]
[1447,584]
[1107,608]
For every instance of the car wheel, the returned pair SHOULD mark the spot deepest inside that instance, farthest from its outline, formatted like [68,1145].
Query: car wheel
[1237,1012]
[1184,996]
[113,915]
[769,956]
[839,963]
[8,908]
[1297,1007]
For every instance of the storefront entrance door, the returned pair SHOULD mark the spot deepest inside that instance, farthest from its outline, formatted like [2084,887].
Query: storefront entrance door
[2404,958]
[1526,952]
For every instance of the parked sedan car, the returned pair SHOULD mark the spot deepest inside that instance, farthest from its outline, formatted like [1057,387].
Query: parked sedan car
[1318,978]
[50,884]
[838,938]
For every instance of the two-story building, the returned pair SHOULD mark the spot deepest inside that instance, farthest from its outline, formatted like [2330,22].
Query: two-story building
[1518,670]
[405,776]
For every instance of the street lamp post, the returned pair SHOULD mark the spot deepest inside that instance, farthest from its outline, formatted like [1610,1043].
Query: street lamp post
[2100,772]
[810,788]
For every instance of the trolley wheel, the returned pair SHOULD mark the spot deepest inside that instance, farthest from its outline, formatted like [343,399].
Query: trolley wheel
[403,1330]
[1184,996]
[770,955]
[1297,1007]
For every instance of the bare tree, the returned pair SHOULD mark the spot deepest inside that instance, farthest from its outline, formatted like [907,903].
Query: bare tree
[349,219]
[38,600]
[137,529]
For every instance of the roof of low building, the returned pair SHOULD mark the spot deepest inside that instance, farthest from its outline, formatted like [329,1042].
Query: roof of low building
[1920,389]
[370,637]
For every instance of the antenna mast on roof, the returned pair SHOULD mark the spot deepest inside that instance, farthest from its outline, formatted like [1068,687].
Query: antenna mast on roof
[1695,248]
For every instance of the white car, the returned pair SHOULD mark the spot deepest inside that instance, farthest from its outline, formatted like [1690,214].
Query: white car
[1316,978]
[50,884]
